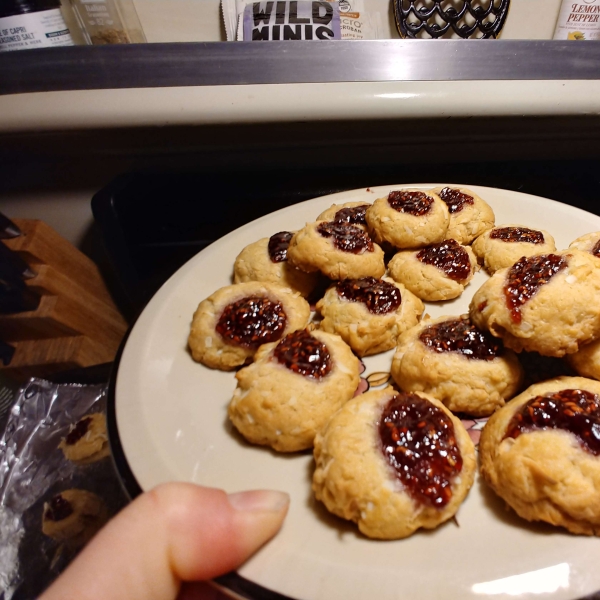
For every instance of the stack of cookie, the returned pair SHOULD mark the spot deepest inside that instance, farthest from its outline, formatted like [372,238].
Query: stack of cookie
[398,459]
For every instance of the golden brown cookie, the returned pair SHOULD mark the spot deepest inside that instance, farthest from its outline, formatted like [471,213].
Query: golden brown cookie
[87,440]
[590,242]
[504,245]
[352,213]
[541,453]
[437,272]
[266,261]
[470,215]
[74,516]
[393,462]
[465,368]
[338,250]
[586,361]
[408,218]
[369,314]
[546,303]
[230,325]
[292,389]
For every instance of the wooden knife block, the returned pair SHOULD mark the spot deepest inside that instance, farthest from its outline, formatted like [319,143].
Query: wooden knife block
[76,323]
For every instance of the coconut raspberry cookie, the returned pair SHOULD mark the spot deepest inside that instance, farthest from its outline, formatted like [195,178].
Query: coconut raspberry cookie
[338,250]
[393,462]
[590,242]
[229,326]
[470,215]
[541,454]
[352,213]
[545,303]
[292,389]
[467,369]
[408,218]
[369,314]
[501,247]
[74,516]
[437,272]
[266,260]
[87,440]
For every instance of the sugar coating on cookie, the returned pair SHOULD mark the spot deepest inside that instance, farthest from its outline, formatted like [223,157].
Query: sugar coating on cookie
[470,215]
[408,218]
[545,303]
[292,389]
[541,453]
[465,368]
[393,462]
[338,250]
[266,260]
[230,325]
[352,213]
[87,440]
[74,516]
[590,242]
[369,314]
[439,271]
[502,246]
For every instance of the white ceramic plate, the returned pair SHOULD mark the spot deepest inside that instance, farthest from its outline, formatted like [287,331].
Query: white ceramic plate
[172,423]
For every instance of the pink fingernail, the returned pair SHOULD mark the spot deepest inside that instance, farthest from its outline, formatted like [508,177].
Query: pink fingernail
[259,500]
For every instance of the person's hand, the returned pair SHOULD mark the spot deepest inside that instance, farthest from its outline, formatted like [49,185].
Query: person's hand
[176,533]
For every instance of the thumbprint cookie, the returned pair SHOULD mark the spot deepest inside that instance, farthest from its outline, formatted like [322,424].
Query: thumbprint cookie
[229,326]
[74,516]
[369,314]
[541,453]
[87,440]
[352,213]
[470,215]
[439,271]
[393,462]
[590,242]
[545,303]
[408,218]
[501,247]
[467,369]
[338,250]
[266,260]
[292,389]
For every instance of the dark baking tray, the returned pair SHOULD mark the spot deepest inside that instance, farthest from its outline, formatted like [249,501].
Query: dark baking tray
[152,222]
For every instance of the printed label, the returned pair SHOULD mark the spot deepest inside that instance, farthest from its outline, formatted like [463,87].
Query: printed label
[578,20]
[34,30]
[292,20]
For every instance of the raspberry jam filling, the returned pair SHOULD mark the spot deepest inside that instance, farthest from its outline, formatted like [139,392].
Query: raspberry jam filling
[460,335]
[575,411]
[380,297]
[80,429]
[347,238]
[517,234]
[353,215]
[58,509]
[448,256]
[278,246]
[413,203]
[455,199]
[303,353]
[252,321]
[526,277]
[419,442]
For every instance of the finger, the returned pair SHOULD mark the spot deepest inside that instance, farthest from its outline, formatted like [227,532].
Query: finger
[176,532]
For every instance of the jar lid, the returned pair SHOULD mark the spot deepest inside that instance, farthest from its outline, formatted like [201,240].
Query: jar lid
[9,8]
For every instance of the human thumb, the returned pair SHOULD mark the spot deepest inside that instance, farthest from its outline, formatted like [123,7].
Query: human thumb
[176,532]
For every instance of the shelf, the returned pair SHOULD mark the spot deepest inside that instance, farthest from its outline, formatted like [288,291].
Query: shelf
[247,63]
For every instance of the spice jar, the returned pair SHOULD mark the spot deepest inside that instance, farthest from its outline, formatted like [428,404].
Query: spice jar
[109,21]
[28,24]
[578,20]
